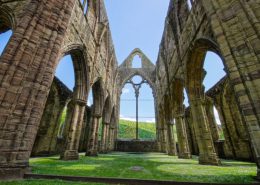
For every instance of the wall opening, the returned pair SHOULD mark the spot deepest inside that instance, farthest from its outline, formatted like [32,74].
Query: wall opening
[84,4]
[190,2]
[4,39]
[214,68]
[137,62]
[146,112]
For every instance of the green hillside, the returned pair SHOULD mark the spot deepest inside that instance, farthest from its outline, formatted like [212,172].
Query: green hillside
[146,130]
[127,130]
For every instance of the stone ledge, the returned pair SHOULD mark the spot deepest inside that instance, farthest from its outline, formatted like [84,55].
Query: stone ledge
[118,180]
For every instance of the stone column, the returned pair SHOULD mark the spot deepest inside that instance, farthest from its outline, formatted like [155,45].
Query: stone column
[184,150]
[27,70]
[104,137]
[107,138]
[212,120]
[207,153]
[172,151]
[91,148]
[73,138]
[111,138]
[158,138]
[164,139]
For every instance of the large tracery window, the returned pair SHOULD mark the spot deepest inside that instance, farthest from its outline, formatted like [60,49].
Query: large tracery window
[137,108]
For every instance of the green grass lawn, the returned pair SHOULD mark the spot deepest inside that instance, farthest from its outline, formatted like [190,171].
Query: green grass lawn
[155,166]
[46,182]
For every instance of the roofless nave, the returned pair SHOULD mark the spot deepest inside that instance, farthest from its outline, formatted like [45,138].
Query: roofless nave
[31,100]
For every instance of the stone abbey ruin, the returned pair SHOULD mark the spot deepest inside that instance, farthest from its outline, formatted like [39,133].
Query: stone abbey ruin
[32,99]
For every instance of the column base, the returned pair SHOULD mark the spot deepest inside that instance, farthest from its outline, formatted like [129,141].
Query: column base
[185,156]
[13,173]
[70,155]
[209,159]
[92,153]
[172,153]
[103,152]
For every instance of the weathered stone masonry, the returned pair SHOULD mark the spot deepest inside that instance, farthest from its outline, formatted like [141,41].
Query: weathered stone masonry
[43,32]
[31,101]
[230,29]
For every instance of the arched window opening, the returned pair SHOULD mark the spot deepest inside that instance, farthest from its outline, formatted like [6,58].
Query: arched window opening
[90,98]
[84,4]
[4,39]
[137,62]
[186,99]
[214,69]
[219,124]
[65,67]
[137,115]
[65,72]
[190,3]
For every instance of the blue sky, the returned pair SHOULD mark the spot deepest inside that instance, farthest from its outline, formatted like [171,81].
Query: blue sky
[135,24]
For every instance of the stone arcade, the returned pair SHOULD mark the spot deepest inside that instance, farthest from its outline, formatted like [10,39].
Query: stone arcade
[32,100]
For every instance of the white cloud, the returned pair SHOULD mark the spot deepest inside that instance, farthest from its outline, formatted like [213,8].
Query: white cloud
[125,90]
[126,118]
[152,120]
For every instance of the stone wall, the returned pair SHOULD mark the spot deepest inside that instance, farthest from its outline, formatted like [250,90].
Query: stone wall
[229,29]
[42,35]
[136,146]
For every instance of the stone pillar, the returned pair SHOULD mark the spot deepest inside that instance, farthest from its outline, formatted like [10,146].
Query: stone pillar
[164,139]
[104,138]
[190,124]
[183,144]
[27,71]
[91,148]
[73,138]
[158,139]
[107,138]
[207,153]
[212,120]
[111,144]
[171,140]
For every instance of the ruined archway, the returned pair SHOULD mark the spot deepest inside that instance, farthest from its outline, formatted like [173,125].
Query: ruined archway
[96,115]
